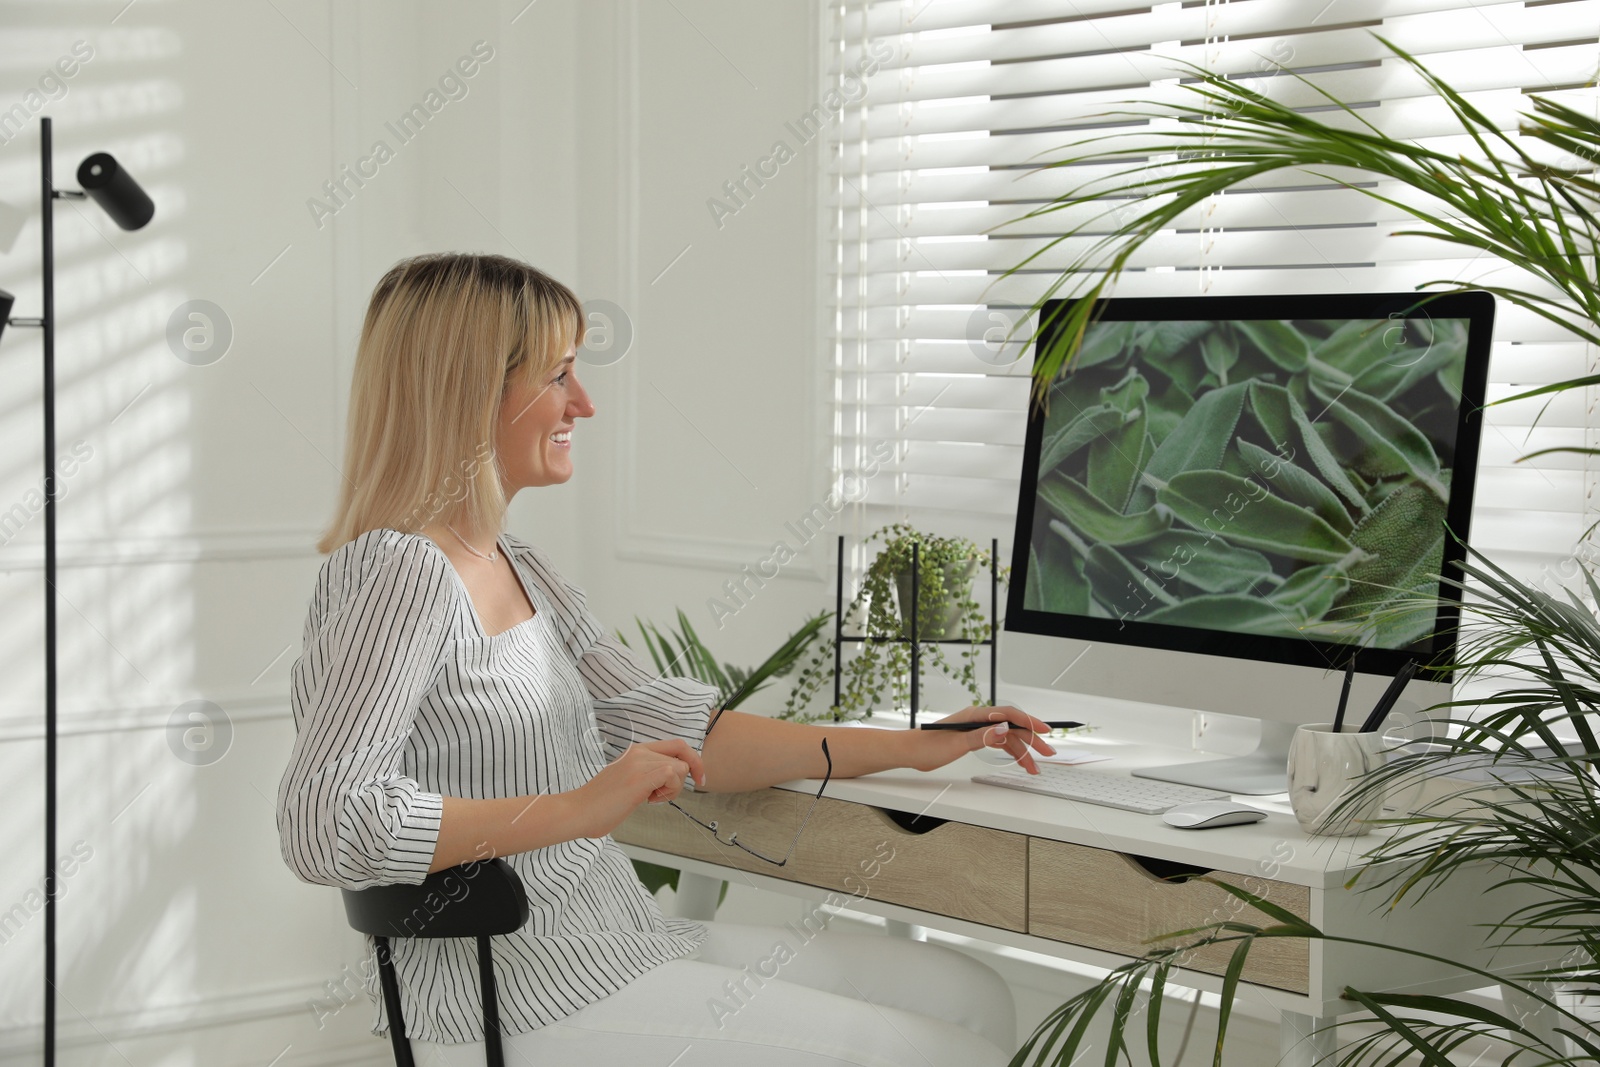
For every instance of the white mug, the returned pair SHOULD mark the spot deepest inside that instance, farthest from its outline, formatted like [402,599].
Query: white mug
[1323,769]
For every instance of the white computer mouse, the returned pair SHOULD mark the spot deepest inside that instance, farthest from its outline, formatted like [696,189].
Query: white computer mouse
[1208,814]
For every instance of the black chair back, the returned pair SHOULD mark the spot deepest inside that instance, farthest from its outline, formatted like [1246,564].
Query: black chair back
[477,900]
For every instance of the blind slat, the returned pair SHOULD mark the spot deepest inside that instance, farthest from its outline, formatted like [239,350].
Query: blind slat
[1129,31]
[1514,326]
[1084,100]
[1416,117]
[930,287]
[1121,52]
[1512,366]
[886,21]
[1222,248]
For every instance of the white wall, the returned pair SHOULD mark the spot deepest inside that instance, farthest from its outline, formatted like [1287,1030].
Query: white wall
[186,539]
[710,434]
[589,146]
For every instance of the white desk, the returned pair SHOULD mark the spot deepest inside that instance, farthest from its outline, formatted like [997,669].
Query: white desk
[1062,878]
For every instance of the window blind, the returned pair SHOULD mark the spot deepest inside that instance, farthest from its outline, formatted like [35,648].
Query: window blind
[930,165]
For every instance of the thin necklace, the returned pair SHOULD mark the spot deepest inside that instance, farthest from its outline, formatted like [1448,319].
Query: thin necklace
[491,556]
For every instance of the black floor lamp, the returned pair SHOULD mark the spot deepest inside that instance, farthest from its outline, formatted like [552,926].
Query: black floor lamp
[108,185]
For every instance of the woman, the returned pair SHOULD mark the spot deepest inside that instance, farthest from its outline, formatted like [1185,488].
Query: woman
[455,700]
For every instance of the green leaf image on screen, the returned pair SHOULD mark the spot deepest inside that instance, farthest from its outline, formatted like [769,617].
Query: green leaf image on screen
[1285,478]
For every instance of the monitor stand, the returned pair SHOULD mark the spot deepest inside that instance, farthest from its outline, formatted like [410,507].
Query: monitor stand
[1260,773]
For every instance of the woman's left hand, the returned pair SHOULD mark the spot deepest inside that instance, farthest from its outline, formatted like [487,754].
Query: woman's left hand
[1014,731]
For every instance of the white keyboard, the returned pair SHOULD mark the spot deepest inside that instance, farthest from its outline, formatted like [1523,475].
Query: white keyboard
[1143,795]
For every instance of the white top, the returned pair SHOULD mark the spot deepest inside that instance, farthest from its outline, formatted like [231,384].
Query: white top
[400,698]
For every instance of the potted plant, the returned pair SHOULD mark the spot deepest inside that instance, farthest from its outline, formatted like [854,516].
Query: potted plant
[945,566]
[946,611]
[1539,216]
[683,653]
[1544,219]
[1539,827]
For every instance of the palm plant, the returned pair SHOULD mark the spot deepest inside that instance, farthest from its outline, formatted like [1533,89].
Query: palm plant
[682,652]
[1534,214]
[1535,739]
[1538,827]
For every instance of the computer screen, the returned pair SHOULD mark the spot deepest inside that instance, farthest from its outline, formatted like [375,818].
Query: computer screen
[1266,478]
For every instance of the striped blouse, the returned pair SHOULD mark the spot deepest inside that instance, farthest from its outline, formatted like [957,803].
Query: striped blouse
[401,699]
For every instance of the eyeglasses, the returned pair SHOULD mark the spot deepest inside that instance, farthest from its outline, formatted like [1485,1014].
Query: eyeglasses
[733,838]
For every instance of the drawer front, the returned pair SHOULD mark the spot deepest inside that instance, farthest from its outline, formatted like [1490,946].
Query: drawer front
[1105,900]
[967,872]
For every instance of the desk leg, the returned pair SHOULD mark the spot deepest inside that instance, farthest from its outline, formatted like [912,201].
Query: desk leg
[1533,1015]
[697,896]
[1306,1040]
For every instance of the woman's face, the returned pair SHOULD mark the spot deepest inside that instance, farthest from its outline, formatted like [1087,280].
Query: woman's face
[533,435]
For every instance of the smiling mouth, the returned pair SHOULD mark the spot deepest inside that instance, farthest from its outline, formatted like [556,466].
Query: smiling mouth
[563,438]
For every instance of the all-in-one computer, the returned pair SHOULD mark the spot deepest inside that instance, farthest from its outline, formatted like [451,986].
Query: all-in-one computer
[1224,499]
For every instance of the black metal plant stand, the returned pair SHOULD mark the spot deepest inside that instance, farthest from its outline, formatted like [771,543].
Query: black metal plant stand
[840,638]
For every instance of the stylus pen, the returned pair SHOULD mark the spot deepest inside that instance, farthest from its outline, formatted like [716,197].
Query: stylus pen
[986,725]
[1390,696]
[1344,695]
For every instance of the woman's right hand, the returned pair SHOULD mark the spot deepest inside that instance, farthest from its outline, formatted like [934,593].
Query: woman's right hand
[649,772]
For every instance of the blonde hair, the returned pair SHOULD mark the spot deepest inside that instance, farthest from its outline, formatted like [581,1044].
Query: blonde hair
[444,335]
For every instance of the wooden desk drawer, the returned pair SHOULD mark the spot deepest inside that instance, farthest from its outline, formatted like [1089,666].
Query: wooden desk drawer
[1105,900]
[968,872]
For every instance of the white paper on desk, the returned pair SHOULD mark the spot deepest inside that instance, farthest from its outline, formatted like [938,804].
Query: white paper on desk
[1070,756]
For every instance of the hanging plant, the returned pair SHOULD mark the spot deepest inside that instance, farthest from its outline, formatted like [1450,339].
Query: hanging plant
[945,611]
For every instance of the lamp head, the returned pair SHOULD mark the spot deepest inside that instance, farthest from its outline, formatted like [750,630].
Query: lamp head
[114,189]
[6,300]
